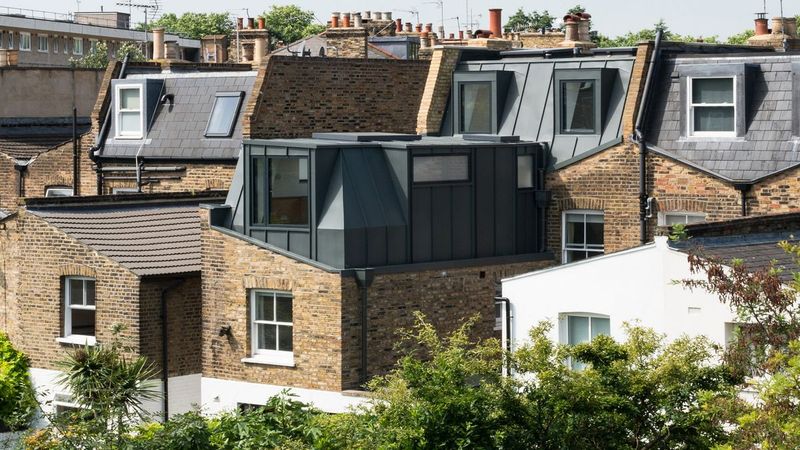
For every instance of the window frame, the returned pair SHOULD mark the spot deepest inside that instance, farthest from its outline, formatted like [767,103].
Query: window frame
[53,189]
[468,178]
[561,125]
[563,330]
[266,201]
[662,216]
[119,134]
[234,120]
[23,35]
[690,107]
[77,46]
[69,336]
[499,84]
[56,40]
[565,249]
[740,72]
[43,38]
[265,356]
[10,40]
[603,78]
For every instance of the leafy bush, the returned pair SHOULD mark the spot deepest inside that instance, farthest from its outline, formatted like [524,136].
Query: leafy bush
[17,397]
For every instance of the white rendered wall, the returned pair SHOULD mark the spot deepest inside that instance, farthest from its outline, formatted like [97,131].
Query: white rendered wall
[629,286]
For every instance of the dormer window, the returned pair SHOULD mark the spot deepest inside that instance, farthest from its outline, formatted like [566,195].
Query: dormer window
[712,107]
[478,101]
[223,114]
[582,100]
[129,111]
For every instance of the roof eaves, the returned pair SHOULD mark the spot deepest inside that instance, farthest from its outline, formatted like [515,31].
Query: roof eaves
[588,153]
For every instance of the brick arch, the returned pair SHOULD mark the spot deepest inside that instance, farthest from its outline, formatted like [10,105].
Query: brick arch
[76,270]
[564,204]
[681,204]
[277,284]
[57,180]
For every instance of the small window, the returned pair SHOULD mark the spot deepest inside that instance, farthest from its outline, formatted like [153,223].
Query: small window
[499,315]
[476,108]
[25,42]
[43,42]
[58,191]
[578,110]
[524,171]
[712,107]
[582,328]
[130,122]
[124,191]
[583,235]
[79,307]
[441,168]
[66,45]
[77,46]
[258,203]
[288,191]
[686,218]
[10,40]
[223,114]
[92,45]
[55,43]
[271,327]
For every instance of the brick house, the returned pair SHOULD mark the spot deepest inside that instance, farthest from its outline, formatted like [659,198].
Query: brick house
[74,268]
[326,246]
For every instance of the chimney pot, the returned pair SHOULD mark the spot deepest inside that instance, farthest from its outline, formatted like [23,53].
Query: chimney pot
[158,43]
[762,27]
[251,23]
[777,25]
[571,30]
[262,23]
[495,22]
[461,35]
[452,36]
[335,20]
[346,20]
[409,27]
[387,15]
[357,20]
[368,15]
[239,23]
[429,27]
[419,28]
[378,16]
[398,25]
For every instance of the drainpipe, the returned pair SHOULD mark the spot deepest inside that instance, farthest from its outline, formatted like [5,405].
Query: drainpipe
[743,188]
[101,137]
[507,328]
[164,344]
[364,278]
[21,168]
[75,169]
[640,138]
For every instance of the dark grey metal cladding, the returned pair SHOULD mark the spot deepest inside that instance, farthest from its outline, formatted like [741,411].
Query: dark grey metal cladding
[530,102]
[152,88]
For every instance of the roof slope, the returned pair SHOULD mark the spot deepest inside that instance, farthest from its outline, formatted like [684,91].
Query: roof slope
[25,141]
[147,239]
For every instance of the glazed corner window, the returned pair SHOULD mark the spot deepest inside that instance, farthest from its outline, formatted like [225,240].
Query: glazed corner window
[271,326]
[25,41]
[129,112]
[712,107]
[578,109]
[58,191]
[582,328]
[223,114]
[441,168]
[672,218]
[79,307]
[582,235]
[77,46]
[43,43]
[475,114]
[279,191]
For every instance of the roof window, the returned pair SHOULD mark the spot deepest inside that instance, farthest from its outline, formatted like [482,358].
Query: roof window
[223,114]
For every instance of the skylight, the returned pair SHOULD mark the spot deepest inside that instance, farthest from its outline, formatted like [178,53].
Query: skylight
[223,114]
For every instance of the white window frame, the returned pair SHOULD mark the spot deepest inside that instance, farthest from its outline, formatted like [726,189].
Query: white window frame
[585,212]
[117,101]
[563,327]
[52,191]
[22,40]
[43,38]
[69,337]
[77,46]
[262,356]
[66,45]
[662,216]
[93,45]
[690,105]
[10,40]
[55,44]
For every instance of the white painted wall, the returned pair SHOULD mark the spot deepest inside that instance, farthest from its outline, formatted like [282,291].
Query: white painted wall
[224,395]
[627,286]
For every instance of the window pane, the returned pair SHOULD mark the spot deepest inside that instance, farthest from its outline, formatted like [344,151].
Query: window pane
[594,230]
[267,338]
[259,198]
[89,286]
[576,255]
[476,107]
[577,107]
[600,326]
[129,98]
[695,218]
[714,118]
[284,338]
[574,229]
[429,169]
[525,171]
[264,307]
[75,292]
[712,90]
[288,195]
[578,328]
[83,322]
[283,308]
[223,115]
[130,122]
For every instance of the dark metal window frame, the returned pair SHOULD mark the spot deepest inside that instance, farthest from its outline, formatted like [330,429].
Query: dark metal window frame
[267,189]
[602,88]
[468,180]
[736,71]
[499,83]
[232,125]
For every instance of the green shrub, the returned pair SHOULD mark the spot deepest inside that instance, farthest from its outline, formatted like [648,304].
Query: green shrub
[17,398]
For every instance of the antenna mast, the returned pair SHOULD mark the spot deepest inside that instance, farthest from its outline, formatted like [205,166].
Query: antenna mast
[153,6]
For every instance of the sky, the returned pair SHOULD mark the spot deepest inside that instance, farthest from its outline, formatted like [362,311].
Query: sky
[610,17]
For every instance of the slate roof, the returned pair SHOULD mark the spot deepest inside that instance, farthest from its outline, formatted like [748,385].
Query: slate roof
[768,145]
[146,239]
[177,131]
[24,141]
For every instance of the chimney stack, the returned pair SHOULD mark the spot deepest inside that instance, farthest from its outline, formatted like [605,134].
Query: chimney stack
[495,19]
[346,20]
[158,43]
[335,20]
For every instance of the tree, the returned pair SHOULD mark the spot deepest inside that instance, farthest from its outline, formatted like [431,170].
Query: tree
[535,21]
[577,9]
[632,39]
[290,23]
[192,25]
[741,38]
[519,21]
[17,397]
[543,21]
[98,56]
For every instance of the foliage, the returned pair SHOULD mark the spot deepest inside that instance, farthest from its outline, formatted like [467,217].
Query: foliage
[192,25]
[290,23]
[577,9]
[631,39]
[741,38]
[535,21]
[678,233]
[98,56]
[17,397]
[188,431]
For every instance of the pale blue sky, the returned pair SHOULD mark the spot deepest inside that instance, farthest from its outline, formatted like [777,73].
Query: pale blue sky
[611,17]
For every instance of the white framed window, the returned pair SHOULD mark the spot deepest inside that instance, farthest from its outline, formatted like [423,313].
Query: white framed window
[55,44]
[79,310]
[43,42]
[577,328]
[25,42]
[582,234]
[271,328]
[711,103]
[92,45]
[128,105]
[66,45]
[58,191]
[670,218]
[10,40]
[77,46]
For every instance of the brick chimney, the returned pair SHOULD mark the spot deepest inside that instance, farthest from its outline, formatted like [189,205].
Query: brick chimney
[782,36]
[495,22]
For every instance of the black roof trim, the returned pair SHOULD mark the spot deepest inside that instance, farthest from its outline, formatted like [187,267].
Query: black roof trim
[588,153]
[126,199]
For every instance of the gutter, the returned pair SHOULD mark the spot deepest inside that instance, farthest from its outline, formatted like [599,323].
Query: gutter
[364,278]
[21,168]
[101,137]
[164,344]
[75,158]
[744,188]
[640,137]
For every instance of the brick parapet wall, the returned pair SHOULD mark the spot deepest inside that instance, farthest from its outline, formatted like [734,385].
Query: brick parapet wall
[346,42]
[438,84]
[104,98]
[195,178]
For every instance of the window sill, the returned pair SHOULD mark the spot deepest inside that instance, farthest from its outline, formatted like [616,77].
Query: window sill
[712,139]
[270,361]
[91,341]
